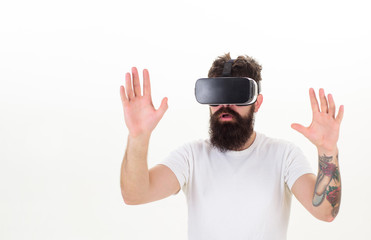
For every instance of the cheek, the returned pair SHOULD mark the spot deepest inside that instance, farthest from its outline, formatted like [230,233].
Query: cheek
[214,109]
[243,110]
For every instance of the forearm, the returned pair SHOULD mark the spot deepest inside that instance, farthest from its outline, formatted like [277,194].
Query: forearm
[327,191]
[134,170]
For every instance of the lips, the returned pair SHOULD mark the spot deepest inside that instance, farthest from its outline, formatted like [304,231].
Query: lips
[226,116]
[222,115]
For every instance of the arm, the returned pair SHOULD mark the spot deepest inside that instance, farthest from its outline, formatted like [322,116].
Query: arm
[138,185]
[321,195]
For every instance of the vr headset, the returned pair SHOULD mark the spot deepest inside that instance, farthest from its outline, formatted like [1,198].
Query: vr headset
[240,91]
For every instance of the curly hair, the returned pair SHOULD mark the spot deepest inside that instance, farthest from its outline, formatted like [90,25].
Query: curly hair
[243,66]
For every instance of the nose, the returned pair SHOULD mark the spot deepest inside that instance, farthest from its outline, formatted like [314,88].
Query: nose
[221,105]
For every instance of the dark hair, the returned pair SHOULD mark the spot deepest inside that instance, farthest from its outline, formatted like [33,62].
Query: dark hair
[243,66]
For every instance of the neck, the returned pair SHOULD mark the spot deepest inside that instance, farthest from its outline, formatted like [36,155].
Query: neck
[249,142]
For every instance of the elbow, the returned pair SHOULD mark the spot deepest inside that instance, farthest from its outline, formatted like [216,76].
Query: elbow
[328,217]
[127,199]
[130,200]
[133,195]
[332,214]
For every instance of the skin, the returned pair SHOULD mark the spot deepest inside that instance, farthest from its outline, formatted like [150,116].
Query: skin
[140,185]
[140,115]
[323,132]
[322,185]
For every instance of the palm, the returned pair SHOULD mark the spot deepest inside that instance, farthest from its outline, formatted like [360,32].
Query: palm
[324,129]
[140,115]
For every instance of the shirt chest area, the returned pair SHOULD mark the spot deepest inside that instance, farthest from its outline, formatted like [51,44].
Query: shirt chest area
[241,176]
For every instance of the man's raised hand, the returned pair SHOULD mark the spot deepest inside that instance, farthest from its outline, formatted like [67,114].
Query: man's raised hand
[324,129]
[140,115]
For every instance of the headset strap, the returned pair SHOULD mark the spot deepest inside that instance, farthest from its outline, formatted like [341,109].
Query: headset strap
[227,70]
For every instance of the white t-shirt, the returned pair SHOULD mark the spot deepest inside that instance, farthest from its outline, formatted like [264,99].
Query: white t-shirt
[238,195]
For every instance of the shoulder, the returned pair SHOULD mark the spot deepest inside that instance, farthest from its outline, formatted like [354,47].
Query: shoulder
[271,142]
[276,145]
[195,146]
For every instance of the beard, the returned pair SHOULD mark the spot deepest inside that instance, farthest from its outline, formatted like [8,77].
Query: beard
[231,135]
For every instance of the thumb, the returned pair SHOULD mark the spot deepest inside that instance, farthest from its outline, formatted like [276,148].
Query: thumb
[163,107]
[300,128]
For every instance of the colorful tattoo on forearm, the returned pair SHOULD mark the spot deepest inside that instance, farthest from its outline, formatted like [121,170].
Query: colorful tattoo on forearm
[328,173]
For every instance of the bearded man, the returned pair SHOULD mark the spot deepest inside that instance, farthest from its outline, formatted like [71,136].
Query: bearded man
[238,183]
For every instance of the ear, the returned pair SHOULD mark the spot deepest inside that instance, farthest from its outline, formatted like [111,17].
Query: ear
[258,102]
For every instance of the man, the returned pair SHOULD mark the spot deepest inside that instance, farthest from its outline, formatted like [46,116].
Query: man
[239,183]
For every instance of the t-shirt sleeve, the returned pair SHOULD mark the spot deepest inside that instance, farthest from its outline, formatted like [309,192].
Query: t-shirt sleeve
[296,165]
[179,162]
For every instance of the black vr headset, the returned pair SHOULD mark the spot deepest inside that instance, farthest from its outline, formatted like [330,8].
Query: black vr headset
[240,91]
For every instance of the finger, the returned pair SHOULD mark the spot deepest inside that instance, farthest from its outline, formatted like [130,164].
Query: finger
[323,101]
[136,82]
[146,83]
[313,100]
[124,99]
[163,107]
[331,104]
[300,128]
[340,115]
[129,88]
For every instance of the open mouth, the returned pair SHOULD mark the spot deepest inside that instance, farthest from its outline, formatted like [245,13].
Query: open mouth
[226,116]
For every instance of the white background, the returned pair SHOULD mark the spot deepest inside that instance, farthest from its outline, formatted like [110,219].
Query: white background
[62,133]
